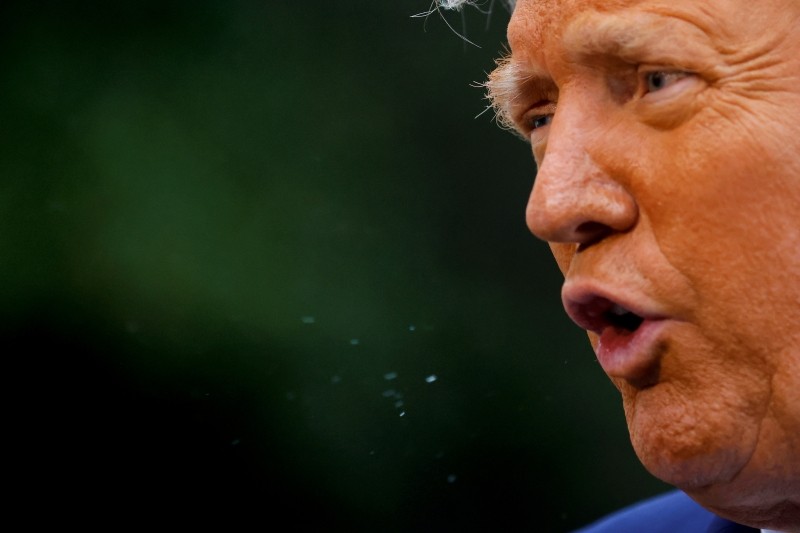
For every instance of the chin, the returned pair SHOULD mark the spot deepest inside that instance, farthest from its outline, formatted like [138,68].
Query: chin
[721,470]
[699,472]
[685,446]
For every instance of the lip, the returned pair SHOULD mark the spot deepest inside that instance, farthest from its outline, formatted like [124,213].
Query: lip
[630,355]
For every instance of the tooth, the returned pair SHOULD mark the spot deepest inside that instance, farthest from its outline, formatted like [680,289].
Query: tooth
[618,310]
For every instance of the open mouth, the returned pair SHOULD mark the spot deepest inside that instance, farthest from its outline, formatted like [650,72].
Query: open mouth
[628,344]
[621,319]
[596,313]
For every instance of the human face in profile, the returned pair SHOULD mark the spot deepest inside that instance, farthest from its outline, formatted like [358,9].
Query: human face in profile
[667,139]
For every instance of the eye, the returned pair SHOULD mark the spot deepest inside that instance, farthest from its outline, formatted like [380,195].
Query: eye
[661,79]
[540,121]
[533,124]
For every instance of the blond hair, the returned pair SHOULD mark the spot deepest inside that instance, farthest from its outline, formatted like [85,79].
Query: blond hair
[458,4]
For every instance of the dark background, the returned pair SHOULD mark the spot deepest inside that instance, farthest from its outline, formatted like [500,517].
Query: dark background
[261,263]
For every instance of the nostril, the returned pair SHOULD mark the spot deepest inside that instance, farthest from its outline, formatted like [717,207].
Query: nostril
[587,233]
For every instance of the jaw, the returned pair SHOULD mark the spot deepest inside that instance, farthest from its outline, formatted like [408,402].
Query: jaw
[746,470]
[783,516]
[679,443]
[774,506]
[766,491]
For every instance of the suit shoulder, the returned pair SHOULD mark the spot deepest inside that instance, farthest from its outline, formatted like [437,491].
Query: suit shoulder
[665,513]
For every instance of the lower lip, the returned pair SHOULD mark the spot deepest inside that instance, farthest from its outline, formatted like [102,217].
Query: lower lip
[630,355]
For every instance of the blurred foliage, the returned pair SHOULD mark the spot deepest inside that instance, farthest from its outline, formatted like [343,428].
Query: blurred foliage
[261,262]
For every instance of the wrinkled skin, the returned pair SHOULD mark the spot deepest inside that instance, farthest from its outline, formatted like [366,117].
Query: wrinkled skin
[681,190]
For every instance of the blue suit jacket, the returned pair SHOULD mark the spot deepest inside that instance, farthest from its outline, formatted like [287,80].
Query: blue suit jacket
[673,512]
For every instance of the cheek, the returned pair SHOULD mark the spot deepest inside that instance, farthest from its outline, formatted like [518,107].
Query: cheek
[700,425]
[724,205]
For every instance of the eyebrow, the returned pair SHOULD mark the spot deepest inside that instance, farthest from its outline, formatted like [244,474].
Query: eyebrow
[592,34]
[508,82]
[635,38]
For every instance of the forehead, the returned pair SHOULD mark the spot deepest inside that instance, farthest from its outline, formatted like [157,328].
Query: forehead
[534,20]
[537,24]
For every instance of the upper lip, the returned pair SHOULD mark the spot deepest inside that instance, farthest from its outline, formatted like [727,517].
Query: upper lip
[594,307]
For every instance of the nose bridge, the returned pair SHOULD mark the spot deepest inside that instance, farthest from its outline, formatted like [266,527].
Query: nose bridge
[575,198]
[566,173]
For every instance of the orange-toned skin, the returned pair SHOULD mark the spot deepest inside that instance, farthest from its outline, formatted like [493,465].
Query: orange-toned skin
[687,196]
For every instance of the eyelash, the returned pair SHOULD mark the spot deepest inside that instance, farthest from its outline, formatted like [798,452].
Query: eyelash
[652,81]
[649,79]
[539,116]
[667,77]
[539,121]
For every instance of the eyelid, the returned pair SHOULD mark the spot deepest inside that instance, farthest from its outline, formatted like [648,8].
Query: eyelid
[674,104]
[669,90]
[540,110]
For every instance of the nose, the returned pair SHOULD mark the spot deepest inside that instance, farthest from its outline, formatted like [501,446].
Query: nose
[574,198]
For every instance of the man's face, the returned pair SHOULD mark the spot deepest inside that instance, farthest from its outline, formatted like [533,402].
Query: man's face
[667,135]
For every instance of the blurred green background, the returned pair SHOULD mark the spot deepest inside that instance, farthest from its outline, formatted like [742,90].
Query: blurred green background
[262,263]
